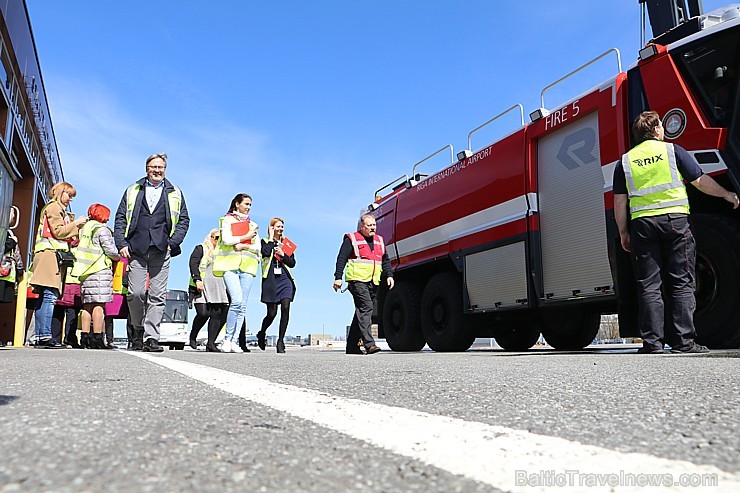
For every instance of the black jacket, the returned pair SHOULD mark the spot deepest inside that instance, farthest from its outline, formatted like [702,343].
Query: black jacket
[173,241]
[268,283]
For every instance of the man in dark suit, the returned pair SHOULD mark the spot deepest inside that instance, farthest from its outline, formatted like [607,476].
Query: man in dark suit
[150,224]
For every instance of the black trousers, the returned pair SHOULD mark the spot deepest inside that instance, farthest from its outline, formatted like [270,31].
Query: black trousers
[664,257]
[363,294]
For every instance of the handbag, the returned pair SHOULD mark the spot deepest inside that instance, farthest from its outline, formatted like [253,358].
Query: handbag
[65,259]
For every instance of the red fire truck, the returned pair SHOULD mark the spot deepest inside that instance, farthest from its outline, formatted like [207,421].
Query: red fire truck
[518,238]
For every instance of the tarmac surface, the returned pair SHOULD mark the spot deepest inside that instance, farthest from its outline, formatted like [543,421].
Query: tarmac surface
[84,420]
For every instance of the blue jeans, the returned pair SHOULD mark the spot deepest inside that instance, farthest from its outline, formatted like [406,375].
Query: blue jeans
[238,285]
[44,312]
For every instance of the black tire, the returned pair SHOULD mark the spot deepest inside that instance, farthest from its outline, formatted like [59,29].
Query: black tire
[401,324]
[517,336]
[571,329]
[442,321]
[717,315]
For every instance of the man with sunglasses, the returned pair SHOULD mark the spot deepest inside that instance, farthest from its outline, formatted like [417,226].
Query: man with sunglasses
[150,224]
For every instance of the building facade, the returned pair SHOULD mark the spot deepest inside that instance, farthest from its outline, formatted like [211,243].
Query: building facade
[29,158]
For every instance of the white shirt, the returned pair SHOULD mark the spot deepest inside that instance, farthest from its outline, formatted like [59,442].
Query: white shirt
[153,194]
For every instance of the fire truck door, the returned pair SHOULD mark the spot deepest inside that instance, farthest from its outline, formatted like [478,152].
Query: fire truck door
[571,207]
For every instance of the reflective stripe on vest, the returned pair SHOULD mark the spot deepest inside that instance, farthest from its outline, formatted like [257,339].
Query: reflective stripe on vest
[266,266]
[89,257]
[365,265]
[174,200]
[227,259]
[653,181]
[47,243]
[202,266]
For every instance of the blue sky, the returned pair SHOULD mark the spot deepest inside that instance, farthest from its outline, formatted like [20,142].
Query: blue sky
[307,106]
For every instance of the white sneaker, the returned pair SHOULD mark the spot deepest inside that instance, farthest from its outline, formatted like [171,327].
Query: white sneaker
[235,348]
[226,347]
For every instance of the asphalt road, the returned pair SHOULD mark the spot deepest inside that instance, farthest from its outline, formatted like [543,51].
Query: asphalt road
[83,420]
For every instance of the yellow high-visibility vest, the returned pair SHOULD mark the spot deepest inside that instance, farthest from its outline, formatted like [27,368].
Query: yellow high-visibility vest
[365,265]
[228,259]
[90,258]
[174,199]
[654,184]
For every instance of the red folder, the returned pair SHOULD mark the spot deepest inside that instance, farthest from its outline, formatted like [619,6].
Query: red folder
[240,229]
[288,246]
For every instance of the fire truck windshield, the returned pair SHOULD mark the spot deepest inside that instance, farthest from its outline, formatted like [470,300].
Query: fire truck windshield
[711,65]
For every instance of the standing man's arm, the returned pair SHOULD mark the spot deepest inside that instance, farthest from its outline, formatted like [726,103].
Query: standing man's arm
[119,229]
[345,251]
[387,270]
[178,236]
[621,203]
[706,184]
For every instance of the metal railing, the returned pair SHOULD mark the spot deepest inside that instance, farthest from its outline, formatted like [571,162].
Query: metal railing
[452,158]
[619,66]
[521,111]
[401,179]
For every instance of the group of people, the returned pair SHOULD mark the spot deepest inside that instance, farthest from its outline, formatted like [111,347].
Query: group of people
[650,207]
[150,224]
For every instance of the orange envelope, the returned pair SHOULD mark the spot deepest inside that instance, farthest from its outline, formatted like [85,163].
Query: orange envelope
[288,246]
[240,229]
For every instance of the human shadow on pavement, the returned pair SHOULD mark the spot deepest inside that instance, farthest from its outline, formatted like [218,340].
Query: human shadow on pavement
[7,399]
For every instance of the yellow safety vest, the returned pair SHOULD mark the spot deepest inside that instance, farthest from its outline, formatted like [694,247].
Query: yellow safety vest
[174,199]
[89,257]
[266,266]
[654,184]
[227,259]
[202,266]
[47,243]
[365,265]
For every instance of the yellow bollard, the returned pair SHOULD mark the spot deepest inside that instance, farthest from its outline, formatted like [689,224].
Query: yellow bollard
[19,335]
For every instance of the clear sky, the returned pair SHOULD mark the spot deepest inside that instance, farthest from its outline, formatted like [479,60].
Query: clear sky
[308,106]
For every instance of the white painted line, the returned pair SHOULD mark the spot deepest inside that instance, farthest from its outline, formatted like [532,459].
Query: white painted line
[506,458]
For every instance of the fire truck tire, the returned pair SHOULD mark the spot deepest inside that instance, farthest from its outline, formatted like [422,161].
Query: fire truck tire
[717,315]
[570,330]
[518,338]
[442,322]
[401,318]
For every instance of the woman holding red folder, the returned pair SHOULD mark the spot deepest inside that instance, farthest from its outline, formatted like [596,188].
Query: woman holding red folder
[278,286]
[237,259]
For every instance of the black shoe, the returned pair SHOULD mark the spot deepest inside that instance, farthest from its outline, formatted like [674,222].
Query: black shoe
[193,343]
[261,340]
[280,346]
[245,349]
[85,340]
[695,349]
[212,348]
[48,344]
[650,350]
[137,346]
[372,349]
[152,346]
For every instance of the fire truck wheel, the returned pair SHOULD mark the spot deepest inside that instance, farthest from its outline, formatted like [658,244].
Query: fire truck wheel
[442,321]
[518,337]
[401,318]
[571,329]
[717,315]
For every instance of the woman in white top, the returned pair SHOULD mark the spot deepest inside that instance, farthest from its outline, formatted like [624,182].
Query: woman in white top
[237,259]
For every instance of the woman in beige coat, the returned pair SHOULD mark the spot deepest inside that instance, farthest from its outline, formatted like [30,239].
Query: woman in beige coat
[56,228]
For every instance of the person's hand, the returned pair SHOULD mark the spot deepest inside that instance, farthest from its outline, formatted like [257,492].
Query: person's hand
[199,286]
[80,220]
[279,252]
[241,246]
[732,198]
[337,285]
[271,233]
[247,237]
[625,240]
[124,253]
[391,283]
